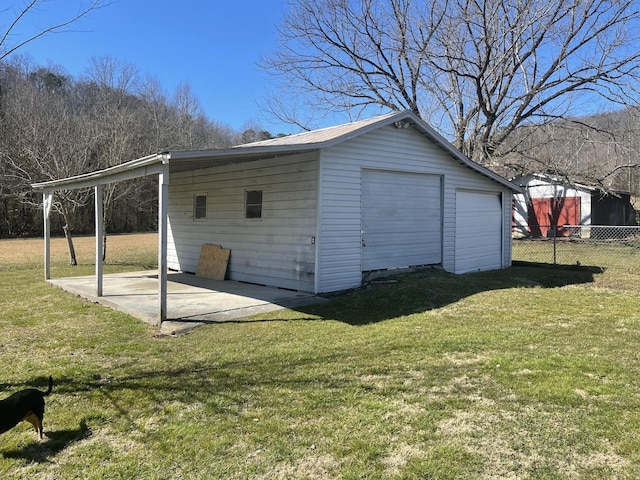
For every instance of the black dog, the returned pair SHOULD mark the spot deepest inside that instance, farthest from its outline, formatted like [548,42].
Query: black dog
[25,405]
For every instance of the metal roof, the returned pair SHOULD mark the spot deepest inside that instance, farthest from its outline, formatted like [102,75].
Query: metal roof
[306,141]
[323,135]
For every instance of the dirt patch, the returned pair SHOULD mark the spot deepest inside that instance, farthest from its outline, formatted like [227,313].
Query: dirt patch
[523,441]
[396,461]
[316,467]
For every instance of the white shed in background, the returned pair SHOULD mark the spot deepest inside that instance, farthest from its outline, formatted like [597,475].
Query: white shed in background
[549,205]
[316,210]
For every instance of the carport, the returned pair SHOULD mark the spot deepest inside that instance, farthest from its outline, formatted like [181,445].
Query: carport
[145,294]
[157,164]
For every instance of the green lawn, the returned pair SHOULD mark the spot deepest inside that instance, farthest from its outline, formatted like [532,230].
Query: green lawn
[525,373]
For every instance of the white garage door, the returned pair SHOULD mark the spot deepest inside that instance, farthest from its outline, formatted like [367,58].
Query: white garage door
[478,231]
[401,220]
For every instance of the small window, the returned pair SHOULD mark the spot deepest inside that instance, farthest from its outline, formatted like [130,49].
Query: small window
[199,207]
[253,204]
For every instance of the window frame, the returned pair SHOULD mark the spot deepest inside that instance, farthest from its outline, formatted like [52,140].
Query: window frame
[198,208]
[253,209]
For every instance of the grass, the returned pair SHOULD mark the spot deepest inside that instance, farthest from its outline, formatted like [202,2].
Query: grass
[527,373]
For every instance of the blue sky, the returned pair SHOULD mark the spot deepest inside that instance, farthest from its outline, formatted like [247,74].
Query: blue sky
[212,44]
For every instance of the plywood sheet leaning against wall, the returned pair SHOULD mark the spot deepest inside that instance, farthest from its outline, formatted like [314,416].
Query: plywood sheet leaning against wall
[213,262]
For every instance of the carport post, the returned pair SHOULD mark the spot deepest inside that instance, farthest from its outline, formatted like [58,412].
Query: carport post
[99,234]
[163,204]
[47,201]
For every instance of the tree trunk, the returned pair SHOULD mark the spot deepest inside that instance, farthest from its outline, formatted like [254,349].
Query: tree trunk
[104,247]
[72,250]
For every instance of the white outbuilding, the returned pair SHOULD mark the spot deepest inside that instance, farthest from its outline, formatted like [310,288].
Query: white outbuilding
[318,210]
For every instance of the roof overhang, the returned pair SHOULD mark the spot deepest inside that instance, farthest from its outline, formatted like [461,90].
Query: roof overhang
[177,161]
[140,167]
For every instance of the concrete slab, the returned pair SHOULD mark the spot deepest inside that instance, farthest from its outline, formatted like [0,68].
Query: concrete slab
[191,300]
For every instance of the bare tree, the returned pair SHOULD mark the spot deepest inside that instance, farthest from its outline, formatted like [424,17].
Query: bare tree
[11,40]
[155,104]
[32,160]
[600,150]
[44,139]
[190,122]
[116,125]
[475,69]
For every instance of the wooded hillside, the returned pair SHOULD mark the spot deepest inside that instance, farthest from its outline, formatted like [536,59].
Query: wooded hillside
[598,150]
[53,125]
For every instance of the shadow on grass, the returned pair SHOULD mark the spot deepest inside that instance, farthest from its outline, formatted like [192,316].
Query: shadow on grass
[421,291]
[56,441]
[224,389]
[385,299]
[432,288]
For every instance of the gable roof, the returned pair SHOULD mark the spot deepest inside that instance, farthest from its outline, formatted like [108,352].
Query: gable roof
[307,141]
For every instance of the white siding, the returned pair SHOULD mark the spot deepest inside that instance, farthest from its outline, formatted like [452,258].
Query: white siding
[388,148]
[277,249]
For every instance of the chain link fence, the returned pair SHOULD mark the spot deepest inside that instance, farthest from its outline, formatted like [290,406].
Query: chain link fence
[587,245]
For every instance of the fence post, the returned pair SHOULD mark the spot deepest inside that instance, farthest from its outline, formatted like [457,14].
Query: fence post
[554,228]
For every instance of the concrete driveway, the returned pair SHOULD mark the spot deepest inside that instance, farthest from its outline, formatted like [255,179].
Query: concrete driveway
[191,300]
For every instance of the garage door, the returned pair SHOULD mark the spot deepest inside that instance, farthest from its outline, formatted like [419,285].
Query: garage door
[401,220]
[478,231]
